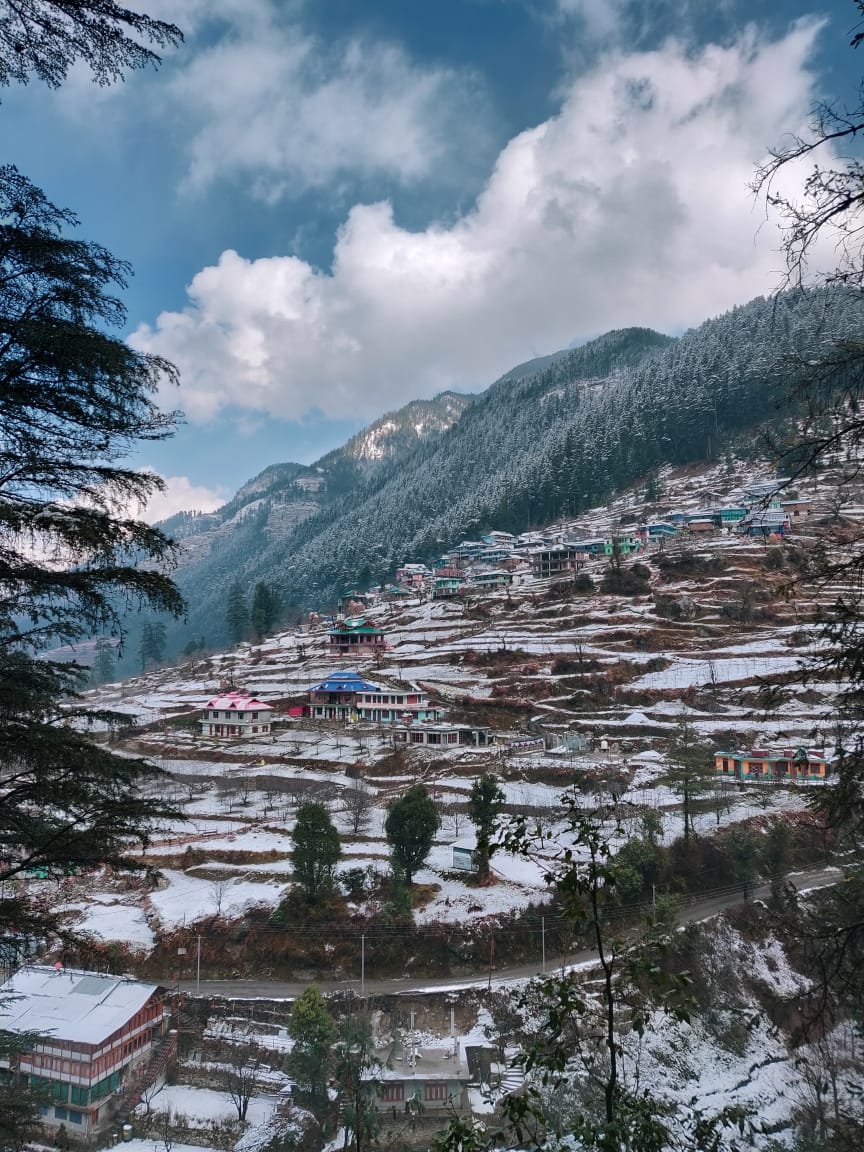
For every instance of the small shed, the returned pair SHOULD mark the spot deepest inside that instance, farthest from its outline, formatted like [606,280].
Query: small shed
[465,854]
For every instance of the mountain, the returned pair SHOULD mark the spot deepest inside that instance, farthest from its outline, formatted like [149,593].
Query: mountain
[531,448]
[397,433]
[283,495]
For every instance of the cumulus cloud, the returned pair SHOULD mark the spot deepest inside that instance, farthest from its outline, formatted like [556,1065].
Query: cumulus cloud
[180,495]
[253,96]
[269,103]
[630,206]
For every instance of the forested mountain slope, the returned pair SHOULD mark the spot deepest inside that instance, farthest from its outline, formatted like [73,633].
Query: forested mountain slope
[534,448]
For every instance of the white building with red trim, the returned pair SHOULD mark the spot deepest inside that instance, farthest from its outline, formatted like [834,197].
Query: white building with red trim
[100,1034]
[237,715]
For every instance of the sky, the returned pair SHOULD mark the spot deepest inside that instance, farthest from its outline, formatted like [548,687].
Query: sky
[336,206]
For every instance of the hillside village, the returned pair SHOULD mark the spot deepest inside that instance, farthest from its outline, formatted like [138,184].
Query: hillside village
[580,666]
[489,777]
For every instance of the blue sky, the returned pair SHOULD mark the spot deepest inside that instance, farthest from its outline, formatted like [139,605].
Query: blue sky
[335,206]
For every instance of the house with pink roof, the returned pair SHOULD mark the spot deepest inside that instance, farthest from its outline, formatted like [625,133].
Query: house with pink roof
[237,715]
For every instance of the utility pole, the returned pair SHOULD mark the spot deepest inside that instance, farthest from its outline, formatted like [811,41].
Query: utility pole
[363,966]
[198,970]
[543,943]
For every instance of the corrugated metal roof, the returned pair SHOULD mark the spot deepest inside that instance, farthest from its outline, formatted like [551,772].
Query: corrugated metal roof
[68,1004]
[238,702]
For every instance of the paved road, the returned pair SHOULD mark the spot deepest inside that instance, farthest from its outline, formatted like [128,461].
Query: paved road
[700,909]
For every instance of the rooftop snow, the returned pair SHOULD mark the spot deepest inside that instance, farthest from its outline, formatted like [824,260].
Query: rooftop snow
[69,1004]
[239,701]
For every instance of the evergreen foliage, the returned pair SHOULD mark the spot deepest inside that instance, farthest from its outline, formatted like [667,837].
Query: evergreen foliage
[411,824]
[534,448]
[316,849]
[266,609]
[485,802]
[151,643]
[44,38]
[237,613]
[74,400]
[103,660]
[691,771]
[314,1034]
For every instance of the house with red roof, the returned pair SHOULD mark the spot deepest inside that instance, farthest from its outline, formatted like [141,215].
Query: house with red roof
[100,1042]
[236,715]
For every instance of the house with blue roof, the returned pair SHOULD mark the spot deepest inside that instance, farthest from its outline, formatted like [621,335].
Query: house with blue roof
[349,696]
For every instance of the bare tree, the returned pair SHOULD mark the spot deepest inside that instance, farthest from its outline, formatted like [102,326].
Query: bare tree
[241,1080]
[357,804]
[455,815]
[218,890]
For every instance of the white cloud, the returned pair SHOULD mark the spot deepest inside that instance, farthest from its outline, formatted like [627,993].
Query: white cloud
[631,206]
[252,96]
[269,103]
[180,495]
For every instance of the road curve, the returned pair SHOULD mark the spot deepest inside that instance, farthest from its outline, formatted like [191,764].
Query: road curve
[699,909]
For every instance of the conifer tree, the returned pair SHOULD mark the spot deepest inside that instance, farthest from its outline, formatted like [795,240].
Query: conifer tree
[411,824]
[237,612]
[316,849]
[314,1034]
[484,804]
[74,400]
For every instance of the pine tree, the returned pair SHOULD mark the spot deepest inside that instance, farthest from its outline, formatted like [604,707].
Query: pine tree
[411,824]
[103,662]
[74,400]
[690,771]
[314,1034]
[151,643]
[237,612]
[44,38]
[316,849]
[484,804]
[266,609]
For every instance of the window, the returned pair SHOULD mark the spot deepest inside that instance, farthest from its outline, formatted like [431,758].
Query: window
[75,1117]
[79,1095]
[392,1093]
[61,1113]
[436,1091]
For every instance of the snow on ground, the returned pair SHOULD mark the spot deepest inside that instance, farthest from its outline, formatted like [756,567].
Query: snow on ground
[696,673]
[187,898]
[140,1144]
[122,922]
[204,1106]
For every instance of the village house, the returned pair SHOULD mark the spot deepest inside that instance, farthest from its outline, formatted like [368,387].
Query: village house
[477,581]
[414,576]
[447,584]
[795,509]
[434,1080]
[764,522]
[465,854]
[355,636]
[354,602]
[236,714]
[558,559]
[434,733]
[701,525]
[103,1040]
[347,696]
[794,765]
